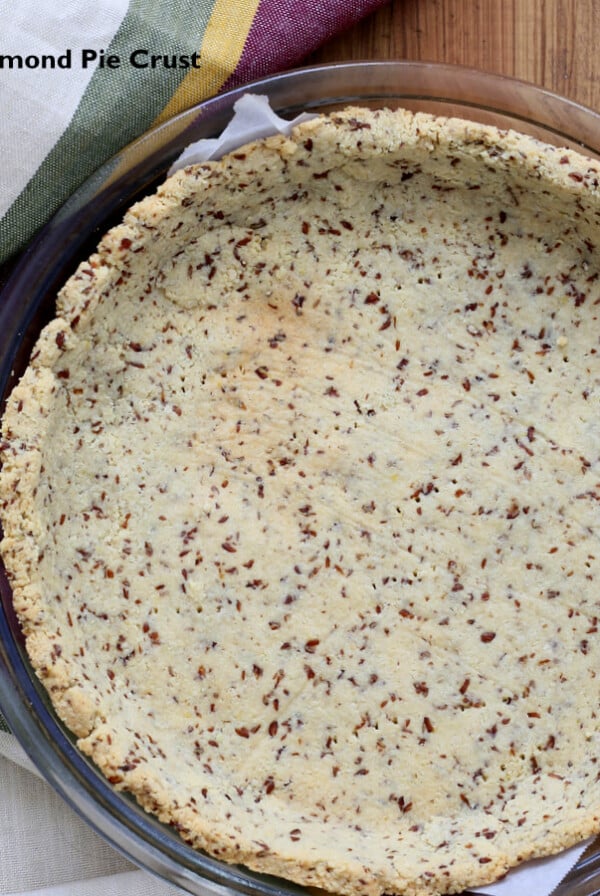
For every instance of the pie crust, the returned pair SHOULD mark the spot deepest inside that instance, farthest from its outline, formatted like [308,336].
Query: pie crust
[300,497]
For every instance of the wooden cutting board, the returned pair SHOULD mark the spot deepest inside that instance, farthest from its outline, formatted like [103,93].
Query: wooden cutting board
[552,43]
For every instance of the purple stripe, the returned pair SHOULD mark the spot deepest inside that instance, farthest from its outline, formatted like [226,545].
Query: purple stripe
[285,31]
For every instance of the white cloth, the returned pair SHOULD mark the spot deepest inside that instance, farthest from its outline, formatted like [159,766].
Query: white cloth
[73,25]
[47,850]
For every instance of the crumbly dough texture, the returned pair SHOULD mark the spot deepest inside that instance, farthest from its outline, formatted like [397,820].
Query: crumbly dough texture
[301,503]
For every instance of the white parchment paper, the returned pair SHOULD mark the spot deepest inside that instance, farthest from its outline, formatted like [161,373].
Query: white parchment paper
[253,119]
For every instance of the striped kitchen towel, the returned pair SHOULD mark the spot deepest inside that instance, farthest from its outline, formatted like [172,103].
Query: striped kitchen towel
[82,78]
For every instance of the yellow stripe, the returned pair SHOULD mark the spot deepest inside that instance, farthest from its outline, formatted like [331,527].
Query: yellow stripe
[220,52]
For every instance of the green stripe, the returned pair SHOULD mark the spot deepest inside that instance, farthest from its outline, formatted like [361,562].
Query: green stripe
[3,726]
[117,106]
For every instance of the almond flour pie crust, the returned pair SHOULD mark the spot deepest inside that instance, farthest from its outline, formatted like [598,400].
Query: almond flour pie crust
[300,495]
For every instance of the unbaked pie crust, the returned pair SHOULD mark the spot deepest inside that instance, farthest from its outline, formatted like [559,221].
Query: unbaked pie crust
[301,503]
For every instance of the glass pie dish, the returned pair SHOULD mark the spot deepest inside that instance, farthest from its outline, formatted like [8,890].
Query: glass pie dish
[28,303]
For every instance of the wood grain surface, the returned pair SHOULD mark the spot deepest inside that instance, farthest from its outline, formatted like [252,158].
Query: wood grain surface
[552,43]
